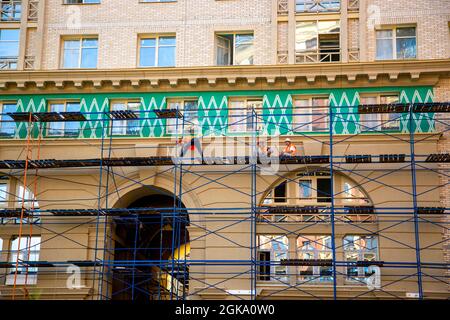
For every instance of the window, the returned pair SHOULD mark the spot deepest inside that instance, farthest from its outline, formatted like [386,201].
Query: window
[80,53]
[280,193]
[379,121]
[157,51]
[64,128]
[317,5]
[317,41]
[81,1]
[26,251]
[125,127]
[3,194]
[235,49]
[311,115]
[7,124]
[9,48]
[10,10]
[360,248]
[324,190]
[241,114]
[272,249]
[189,109]
[397,43]
[315,247]
[354,195]
[305,188]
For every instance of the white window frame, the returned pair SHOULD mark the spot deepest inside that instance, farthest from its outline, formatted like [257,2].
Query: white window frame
[308,113]
[31,277]
[273,254]
[361,253]
[80,51]
[233,119]
[62,123]
[394,42]
[157,46]
[316,278]
[173,122]
[380,118]
[232,47]
[124,124]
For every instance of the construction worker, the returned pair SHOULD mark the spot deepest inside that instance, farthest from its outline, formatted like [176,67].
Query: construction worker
[290,150]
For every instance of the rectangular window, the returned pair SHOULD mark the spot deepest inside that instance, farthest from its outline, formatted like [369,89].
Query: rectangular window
[315,247]
[64,128]
[10,10]
[125,127]
[27,250]
[305,188]
[397,43]
[317,41]
[272,249]
[280,193]
[7,124]
[9,48]
[3,194]
[323,190]
[311,114]
[80,53]
[242,116]
[380,121]
[318,5]
[360,248]
[235,49]
[189,109]
[158,51]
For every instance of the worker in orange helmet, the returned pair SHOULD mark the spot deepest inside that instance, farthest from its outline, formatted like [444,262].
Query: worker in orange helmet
[290,150]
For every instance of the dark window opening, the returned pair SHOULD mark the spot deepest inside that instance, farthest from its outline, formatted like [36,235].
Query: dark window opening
[323,190]
[280,192]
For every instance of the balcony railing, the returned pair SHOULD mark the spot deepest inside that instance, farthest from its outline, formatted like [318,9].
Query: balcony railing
[8,63]
[10,10]
[283,7]
[29,63]
[33,6]
[353,5]
[318,6]
[353,55]
[283,57]
[318,57]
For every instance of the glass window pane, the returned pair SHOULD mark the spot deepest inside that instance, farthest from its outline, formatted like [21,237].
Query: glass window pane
[9,34]
[306,36]
[149,42]
[238,115]
[89,43]
[406,48]
[325,27]
[164,41]
[223,51]
[89,58]
[385,49]
[244,49]
[8,125]
[305,187]
[166,57]
[71,58]
[320,117]
[384,34]
[406,32]
[72,44]
[302,116]
[147,57]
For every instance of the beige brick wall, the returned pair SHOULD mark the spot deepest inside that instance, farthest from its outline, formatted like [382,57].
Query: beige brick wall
[442,93]
[194,22]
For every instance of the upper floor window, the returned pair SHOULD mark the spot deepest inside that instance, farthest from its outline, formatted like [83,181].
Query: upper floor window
[379,121]
[158,51]
[315,247]
[64,128]
[80,53]
[317,41]
[23,250]
[397,43]
[189,109]
[311,114]
[243,114]
[360,248]
[318,5]
[3,193]
[9,48]
[7,124]
[10,10]
[272,248]
[235,49]
[126,127]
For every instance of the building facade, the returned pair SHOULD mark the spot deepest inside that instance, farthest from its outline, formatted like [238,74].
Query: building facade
[100,99]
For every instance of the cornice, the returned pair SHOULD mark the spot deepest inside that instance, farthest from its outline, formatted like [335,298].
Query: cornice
[417,72]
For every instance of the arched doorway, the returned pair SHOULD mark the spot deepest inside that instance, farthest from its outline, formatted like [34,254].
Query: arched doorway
[150,249]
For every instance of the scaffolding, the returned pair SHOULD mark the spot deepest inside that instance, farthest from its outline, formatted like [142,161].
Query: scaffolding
[160,268]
